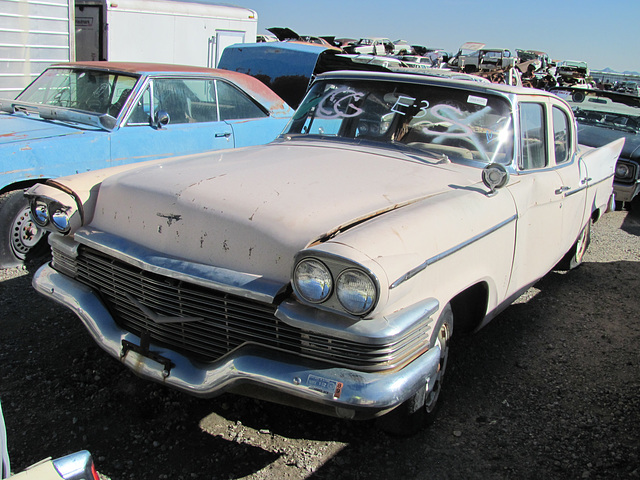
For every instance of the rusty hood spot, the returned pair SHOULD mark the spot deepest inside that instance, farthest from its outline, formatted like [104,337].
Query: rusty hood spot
[170,218]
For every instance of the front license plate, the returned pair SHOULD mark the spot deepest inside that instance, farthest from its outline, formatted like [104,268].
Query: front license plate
[324,385]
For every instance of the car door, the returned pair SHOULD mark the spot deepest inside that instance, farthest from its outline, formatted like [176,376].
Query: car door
[573,174]
[194,125]
[535,191]
[251,123]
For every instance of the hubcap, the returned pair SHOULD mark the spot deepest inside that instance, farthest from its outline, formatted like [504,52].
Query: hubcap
[24,234]
[443,342]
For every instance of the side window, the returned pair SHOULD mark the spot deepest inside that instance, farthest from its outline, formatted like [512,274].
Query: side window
[122,87]
[235,104]
[140,115]
[185,100]
[560,135]
[532,128]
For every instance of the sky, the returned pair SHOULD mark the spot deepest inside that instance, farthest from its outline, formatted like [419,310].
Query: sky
[603,33]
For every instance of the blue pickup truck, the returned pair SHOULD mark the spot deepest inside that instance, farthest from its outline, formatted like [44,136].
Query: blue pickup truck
[85,116]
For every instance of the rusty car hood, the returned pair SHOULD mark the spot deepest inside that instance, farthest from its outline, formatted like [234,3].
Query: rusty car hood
[252,209]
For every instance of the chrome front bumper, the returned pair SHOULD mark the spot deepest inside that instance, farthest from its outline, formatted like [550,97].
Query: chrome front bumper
[250,370]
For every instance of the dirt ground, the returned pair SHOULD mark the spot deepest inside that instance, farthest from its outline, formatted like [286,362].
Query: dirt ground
[550,389]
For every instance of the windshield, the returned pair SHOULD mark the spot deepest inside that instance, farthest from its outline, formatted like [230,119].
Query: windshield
[434,120]
[88,90]
[604,109]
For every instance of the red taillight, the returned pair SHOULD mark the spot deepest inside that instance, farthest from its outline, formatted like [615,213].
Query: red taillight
[94,474]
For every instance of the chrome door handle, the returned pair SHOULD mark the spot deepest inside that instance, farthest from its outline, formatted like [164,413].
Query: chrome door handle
[224,134]
[562,189]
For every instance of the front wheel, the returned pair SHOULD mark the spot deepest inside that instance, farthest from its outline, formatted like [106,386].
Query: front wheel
[575,256]
[18,234]
[421,409]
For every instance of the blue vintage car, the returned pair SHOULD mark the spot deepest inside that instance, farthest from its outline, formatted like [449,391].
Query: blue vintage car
[84,116]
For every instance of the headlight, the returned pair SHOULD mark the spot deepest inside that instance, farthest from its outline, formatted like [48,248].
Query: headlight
[60,218]
[356,291]
[312,280]
[623,171]
[40,213]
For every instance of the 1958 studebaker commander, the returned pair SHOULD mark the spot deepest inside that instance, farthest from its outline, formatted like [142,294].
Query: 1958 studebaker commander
[327,269]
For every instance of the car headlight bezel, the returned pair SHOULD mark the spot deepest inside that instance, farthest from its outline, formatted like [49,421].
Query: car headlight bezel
[51,214]
[39,212]
[342,296]
[305,283]
[347,292]
[54,208]
[625,171]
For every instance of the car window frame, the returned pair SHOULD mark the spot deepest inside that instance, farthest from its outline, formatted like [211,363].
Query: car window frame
[544,130]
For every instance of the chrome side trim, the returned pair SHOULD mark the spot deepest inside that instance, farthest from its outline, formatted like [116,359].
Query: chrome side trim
[414,271]
[244,285]
[587,184]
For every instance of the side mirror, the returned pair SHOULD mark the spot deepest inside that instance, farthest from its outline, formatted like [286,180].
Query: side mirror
[162,118]
[495,176]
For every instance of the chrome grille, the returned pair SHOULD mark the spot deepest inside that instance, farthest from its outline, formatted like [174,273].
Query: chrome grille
[217,323]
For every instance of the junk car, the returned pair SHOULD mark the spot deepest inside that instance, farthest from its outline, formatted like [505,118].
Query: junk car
[329,269]
[89,115]
[603,116]
[288,68]
[75,466]
[372,45]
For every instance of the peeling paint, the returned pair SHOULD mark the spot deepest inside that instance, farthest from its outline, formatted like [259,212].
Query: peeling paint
[171,217]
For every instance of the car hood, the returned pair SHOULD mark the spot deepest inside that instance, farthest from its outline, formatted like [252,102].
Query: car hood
[253,209]
[594,136]
[15,128]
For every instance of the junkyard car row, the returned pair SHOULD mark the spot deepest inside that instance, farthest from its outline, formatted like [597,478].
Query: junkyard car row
[328,268]
[90,115]
[604,116]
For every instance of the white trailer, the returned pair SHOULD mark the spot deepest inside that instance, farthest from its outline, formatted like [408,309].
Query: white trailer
[36,33]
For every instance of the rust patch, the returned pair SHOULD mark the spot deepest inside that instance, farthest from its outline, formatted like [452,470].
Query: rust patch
[171,217]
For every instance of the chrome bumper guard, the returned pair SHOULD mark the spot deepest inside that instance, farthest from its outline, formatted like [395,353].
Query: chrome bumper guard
[250,370]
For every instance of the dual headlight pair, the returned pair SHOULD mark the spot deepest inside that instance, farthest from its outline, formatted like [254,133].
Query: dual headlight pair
[350,288]
[54,208]
[51,213]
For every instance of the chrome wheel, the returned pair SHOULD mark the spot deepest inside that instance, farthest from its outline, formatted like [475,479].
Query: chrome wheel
[444,335]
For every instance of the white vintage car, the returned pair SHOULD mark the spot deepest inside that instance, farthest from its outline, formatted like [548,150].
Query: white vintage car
[326,269]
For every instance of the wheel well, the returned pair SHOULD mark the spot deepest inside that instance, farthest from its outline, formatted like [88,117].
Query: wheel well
[469,307]
[21,185]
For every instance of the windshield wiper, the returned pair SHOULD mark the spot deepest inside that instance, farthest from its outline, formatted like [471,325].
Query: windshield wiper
[102,121]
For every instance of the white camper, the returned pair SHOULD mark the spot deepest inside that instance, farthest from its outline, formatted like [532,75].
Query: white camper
[34,34]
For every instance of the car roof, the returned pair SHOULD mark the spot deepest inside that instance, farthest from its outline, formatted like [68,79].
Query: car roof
[426,79]
[257,89]
[141,68]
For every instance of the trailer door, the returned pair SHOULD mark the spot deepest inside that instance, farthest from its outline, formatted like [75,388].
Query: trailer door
[220,41]
[88,33]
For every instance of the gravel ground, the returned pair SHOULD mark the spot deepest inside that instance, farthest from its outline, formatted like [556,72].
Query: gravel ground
[550,389]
